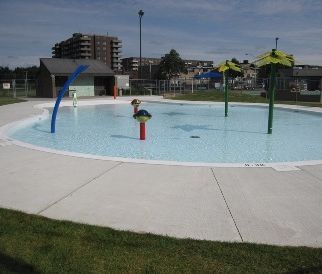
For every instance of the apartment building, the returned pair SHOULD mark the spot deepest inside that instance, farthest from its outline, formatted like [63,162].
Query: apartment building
[132,63]
[90,46]
[150,66]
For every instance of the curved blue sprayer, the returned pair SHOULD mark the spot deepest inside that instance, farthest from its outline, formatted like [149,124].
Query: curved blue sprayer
[62,92]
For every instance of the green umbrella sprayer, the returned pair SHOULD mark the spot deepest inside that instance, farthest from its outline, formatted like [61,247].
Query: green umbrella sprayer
[224,68]
[273,58]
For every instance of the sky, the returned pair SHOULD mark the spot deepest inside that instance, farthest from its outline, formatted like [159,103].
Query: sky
[213,30]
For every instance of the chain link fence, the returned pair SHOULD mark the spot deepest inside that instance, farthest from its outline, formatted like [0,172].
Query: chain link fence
[18,87]
[296,89]
[179,85]
[288,89]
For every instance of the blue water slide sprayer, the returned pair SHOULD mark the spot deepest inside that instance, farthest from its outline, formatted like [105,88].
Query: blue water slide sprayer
[62,92]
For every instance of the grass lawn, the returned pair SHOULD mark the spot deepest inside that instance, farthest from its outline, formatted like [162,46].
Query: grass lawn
[33,244]
[9,100]
[235,96]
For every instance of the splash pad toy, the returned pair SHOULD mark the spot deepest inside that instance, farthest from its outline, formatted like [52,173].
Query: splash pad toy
[136,103]
[142,116]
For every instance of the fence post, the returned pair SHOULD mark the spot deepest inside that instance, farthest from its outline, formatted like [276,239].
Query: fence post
[14,92]
[321,91]
[192,85]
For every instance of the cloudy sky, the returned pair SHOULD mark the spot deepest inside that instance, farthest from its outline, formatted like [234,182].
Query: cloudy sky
[205,29]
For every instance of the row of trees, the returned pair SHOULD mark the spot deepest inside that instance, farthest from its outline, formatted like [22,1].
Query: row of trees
[19,72]
[172,65]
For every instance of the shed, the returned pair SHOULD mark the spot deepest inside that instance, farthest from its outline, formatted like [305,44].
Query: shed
[98,79]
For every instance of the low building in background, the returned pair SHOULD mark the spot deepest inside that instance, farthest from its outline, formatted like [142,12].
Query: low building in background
[305,77]
[98,79]
[150,67]
[301,82]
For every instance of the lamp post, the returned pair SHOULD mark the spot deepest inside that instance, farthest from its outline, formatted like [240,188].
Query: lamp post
[276,38]
[150,63]
[141,13]
[255,69]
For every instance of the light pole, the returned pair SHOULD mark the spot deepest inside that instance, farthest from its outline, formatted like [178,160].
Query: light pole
[141,13]
[150,63]
[276,38]
[255,69]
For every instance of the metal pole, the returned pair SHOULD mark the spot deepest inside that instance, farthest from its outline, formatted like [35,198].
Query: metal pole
[321,91]
[26,87]
[140,71]
[226,93]
[272,88]
[192,85]
[14,92]
[276,42]
[141,13]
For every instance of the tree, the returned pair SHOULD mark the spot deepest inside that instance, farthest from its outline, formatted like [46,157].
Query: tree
[226,68]
[19,72]
[235,73]
[5,73]
[171,65]
[273,58]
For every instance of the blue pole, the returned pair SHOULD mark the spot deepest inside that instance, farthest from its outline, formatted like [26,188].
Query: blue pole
[62,92]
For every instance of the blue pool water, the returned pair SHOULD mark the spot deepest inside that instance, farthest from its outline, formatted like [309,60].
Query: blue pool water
[185,133]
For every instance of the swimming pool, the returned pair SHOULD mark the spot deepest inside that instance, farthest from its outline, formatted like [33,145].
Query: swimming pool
[192,133]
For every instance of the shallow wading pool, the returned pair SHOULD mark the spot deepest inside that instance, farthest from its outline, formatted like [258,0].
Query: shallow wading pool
[190,133]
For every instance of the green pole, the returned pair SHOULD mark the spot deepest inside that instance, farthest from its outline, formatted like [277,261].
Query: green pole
[272,90]
[226,93]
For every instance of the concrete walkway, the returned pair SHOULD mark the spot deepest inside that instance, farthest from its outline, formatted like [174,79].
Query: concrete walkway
[258,205]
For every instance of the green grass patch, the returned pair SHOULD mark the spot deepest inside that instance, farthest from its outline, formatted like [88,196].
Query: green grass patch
[33,244]
[218,96]
[9,100]
[236,96]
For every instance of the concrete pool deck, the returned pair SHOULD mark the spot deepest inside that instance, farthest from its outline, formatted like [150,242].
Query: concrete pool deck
[258,204]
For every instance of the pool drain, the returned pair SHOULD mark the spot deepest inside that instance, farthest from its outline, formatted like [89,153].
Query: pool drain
[194,136]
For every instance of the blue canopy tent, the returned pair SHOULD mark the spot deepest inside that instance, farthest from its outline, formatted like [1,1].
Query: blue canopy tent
[209,74]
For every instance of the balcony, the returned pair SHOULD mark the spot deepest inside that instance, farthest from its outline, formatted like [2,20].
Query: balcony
[85,38]
[85,43]
[85,49]
[114,65]
[116,50]
[83,54]
[116,44]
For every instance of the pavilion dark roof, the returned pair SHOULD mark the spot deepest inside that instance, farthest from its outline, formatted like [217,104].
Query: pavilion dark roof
[62,67]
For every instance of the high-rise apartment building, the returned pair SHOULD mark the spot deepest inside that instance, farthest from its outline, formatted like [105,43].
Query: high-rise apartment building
[86,46]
